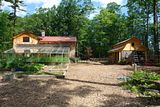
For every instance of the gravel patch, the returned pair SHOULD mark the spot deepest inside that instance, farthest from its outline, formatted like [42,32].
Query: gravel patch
[85,85]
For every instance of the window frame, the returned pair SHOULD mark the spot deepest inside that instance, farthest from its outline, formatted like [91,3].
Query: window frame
[26,39]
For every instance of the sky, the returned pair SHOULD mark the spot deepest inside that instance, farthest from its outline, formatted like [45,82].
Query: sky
[32,5]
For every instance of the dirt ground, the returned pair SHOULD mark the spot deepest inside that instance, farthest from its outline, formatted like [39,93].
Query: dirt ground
[85,85]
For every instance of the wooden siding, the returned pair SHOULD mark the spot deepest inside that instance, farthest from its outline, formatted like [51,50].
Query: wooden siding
[130,47]
[127,51]
[19,40]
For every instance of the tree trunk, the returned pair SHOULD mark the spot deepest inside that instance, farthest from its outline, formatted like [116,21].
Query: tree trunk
[156,44]
[147,26]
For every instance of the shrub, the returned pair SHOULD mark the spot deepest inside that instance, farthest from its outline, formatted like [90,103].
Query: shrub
[142,82]
[2,63]
[30,69]
[33,67]
[145,75]
[15,61]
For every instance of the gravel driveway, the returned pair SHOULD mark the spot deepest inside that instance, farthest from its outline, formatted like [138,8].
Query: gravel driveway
[85,85]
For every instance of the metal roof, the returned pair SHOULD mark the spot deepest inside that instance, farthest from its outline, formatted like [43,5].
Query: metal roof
[57,39]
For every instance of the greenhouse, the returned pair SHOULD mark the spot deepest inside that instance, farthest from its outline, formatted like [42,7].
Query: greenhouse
[55,55]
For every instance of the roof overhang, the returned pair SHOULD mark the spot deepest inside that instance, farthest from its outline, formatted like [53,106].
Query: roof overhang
[127,40]
[116,49]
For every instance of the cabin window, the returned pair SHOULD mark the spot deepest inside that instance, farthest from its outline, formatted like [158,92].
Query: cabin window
[25,39]
[132,44]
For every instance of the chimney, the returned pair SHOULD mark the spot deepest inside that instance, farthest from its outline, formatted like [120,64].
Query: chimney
[43,33]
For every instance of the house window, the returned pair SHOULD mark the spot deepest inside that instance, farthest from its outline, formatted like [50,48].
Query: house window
[25,39]
[132,44]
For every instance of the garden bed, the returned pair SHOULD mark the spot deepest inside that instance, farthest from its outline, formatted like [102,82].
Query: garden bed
[144,83]
[30,74]
[40,75]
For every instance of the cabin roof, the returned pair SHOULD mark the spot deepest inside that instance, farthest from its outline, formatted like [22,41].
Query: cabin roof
[116,49]
[127,40]
[27,33]
[120,46]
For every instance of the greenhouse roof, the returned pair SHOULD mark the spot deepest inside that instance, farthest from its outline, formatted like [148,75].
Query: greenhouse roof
[9,51]
[44,49]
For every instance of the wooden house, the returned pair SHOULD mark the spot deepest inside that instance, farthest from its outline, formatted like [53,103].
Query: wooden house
[27,42]
[129,51]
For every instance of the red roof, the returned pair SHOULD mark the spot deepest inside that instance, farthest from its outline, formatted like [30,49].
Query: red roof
[57,39]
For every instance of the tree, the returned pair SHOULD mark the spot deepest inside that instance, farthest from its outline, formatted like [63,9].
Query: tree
[113,7]
[107,29]
[5,37]
[15,5]
[155,17]
[138,19]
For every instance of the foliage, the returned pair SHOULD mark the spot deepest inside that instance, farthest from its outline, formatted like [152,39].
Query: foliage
[19,62]
[107,29]
[2,63]
[142,83]
[16,6]
[5,33]
[33,67]
[48,59]
[122,62]
[14,61]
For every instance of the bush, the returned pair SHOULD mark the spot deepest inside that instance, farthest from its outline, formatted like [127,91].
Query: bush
[2,63]
[9,62]
[33,67]
[145,75]
[122,62]
[143,82]
[15,61]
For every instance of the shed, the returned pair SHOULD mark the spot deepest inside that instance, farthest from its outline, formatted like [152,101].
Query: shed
[129,51]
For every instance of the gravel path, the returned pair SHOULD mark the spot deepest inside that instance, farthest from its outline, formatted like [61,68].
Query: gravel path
[85,85]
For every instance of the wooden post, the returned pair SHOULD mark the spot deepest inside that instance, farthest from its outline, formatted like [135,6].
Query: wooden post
[120,57]
[135,67]
[145,57]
